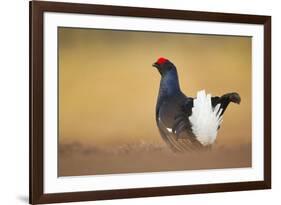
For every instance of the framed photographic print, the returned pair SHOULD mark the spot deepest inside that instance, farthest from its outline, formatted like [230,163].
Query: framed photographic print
[138,102]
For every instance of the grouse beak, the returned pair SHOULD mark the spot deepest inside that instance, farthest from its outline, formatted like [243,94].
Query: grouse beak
[156,65]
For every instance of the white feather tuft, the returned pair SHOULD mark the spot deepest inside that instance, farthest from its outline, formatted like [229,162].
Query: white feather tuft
[205,120]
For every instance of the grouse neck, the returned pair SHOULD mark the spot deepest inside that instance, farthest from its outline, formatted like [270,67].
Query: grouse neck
[169,84]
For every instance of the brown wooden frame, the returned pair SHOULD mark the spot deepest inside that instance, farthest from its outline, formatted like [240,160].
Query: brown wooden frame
[37,9]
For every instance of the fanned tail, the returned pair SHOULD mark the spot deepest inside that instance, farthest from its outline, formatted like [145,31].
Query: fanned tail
[205,119]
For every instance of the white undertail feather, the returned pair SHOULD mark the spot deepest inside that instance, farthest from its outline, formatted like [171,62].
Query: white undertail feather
[205,120]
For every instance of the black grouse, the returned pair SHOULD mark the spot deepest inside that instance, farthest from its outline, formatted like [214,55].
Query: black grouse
[186,123]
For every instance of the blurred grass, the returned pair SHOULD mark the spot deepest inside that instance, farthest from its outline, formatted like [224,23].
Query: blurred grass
[76,159]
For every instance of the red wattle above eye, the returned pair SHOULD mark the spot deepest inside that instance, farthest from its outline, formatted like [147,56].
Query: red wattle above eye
[161,60]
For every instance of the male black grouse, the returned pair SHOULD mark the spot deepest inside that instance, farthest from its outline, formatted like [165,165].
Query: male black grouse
[187,123]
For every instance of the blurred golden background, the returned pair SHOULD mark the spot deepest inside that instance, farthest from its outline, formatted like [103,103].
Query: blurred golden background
[108,90]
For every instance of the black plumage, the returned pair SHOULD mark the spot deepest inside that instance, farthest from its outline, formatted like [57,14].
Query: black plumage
[173,110]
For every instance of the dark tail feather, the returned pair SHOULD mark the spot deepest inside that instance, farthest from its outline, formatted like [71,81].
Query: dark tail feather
[225,99]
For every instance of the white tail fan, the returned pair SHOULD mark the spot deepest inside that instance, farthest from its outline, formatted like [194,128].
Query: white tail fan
[205,120]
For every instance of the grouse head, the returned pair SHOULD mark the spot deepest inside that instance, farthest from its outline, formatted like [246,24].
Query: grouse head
[164,66]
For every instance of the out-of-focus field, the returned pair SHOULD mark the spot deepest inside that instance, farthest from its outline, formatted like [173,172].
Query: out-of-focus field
[108,92]
[76,159]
